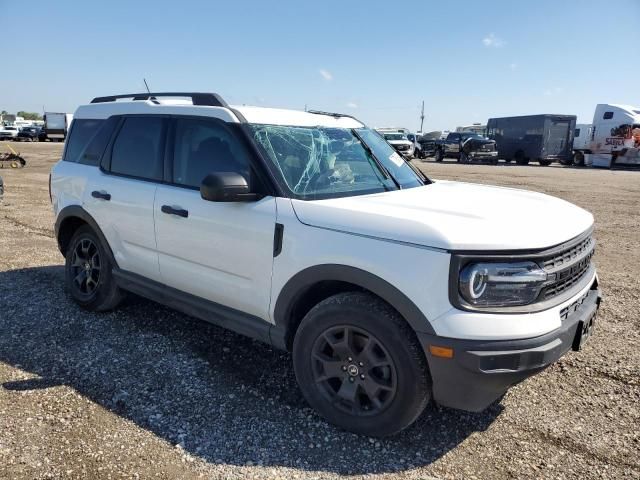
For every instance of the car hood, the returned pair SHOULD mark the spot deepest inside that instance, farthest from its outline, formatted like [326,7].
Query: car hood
[452,216]
[477,141]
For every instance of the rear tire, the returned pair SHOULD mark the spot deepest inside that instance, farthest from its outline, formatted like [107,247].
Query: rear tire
[544,163]
[88,272]
[360,366]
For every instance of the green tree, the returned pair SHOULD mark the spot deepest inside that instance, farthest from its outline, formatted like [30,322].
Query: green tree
[29,115]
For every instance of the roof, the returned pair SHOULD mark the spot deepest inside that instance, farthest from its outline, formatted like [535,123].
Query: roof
[278,116]
[104,107]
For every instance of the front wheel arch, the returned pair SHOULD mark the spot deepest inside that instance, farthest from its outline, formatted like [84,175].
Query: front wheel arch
[314,284]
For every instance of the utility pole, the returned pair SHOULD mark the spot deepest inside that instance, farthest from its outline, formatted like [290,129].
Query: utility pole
[422,117]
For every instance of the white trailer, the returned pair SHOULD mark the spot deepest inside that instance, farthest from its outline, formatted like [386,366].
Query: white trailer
[615,136]
[56,125]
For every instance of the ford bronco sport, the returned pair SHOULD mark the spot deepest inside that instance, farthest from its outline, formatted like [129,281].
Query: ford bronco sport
[306,230]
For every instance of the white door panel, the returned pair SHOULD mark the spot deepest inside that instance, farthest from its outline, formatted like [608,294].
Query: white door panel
[126,220]
[223,251]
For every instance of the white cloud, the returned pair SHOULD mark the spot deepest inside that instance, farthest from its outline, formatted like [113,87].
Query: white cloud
[553,91]
[326,74]
[352,105]
[492,41]
[513,66]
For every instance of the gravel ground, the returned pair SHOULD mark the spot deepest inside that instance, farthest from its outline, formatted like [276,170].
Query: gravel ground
[145,392]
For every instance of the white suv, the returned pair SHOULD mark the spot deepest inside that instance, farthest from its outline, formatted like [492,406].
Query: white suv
[308,231]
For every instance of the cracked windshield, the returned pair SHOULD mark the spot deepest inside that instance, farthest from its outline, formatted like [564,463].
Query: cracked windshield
[324,162]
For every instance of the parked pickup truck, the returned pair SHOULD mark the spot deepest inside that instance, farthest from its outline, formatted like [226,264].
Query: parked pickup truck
[466,147]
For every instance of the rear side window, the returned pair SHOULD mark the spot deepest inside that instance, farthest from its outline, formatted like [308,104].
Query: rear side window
[82,131]
[94,150]
[607,115]
[137,150]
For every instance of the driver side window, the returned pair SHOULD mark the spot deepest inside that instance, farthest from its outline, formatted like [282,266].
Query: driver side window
[204,146]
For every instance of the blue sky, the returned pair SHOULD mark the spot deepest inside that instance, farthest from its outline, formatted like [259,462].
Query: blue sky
[467,60]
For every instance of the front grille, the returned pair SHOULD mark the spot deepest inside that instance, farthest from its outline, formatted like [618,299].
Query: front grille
[568,267]
[568,255]
[402,147]
[488,147]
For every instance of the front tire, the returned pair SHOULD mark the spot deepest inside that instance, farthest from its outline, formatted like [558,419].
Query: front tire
[360,366]
[544,163]
[88,272]
[578,159]
[439,155]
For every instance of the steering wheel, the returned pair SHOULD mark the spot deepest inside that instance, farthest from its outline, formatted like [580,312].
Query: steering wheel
[321,179]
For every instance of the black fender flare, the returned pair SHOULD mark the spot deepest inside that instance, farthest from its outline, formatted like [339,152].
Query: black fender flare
[76,211]
[302,281]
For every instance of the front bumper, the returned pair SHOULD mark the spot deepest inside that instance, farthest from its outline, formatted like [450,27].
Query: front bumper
[481,371]
[480,155]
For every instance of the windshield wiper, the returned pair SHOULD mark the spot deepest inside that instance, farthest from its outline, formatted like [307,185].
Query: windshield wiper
[379,164]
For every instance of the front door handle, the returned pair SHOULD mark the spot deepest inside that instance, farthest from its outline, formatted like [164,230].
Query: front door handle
[103,195]
[168,209]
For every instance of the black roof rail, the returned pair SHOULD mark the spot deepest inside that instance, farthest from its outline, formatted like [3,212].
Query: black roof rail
[335,115]
[209,99]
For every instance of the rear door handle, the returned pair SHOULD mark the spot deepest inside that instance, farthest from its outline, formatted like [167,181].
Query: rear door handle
[103,195]
[168,209]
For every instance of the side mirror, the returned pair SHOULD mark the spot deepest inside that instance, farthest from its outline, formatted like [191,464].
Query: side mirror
[226,187]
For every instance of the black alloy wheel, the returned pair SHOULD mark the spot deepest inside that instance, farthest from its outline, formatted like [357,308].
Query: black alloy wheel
[89,272]
[85,267]
[354,370]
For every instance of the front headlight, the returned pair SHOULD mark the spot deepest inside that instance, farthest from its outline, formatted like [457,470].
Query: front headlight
[500,284]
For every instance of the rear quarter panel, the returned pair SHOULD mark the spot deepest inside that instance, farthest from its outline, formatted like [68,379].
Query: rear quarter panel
[68,184]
